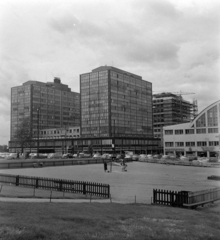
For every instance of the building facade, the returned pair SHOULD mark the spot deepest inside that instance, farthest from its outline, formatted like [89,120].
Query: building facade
[199,137]
[63,132]
[47,105]
[115,114]
[115,103]
[170,109]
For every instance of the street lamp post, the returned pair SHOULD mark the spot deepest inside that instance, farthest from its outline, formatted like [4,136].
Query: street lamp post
[38,131]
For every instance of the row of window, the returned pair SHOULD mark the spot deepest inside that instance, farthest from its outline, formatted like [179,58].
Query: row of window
[45,132]
[190,131]
[191,144]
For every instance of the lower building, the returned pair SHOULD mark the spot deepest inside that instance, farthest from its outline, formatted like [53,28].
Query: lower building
[101,145]
[200,137]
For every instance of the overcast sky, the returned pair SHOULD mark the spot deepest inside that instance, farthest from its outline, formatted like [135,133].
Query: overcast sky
[172,43]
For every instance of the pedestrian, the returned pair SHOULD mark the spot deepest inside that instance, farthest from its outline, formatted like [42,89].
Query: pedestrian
[105,166]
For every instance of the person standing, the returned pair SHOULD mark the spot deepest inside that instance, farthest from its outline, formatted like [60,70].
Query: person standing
[105,166]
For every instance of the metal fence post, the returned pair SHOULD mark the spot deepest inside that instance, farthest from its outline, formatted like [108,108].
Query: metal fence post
[17,180]
[84,188]
[36,182]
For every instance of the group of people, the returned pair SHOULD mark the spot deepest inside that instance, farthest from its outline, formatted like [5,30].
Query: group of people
[123,166]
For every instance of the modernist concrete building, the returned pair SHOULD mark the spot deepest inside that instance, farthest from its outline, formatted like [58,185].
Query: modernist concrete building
[117,106]
[199,137]
[115,113]
[115,103]
[47,105]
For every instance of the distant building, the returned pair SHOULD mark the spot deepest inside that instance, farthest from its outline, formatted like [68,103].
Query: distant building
[48,105]
[199,137]
[169,109]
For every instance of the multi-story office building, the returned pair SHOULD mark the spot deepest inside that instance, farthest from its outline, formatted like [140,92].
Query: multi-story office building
[115,103]
[47,105]
[170,109]
[116,111]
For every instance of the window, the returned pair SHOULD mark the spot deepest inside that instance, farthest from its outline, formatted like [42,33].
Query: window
[168,132]
[178,131]
[168,144]
[214,143]
[200,131]
[201,121]
[212,130]
[200,144]
[179,144]
[212,117]
[189,131]
[190,144]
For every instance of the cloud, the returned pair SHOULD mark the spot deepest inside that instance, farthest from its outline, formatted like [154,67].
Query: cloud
[173,44]
[62,19]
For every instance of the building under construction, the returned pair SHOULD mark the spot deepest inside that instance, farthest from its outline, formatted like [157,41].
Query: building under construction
[171,109]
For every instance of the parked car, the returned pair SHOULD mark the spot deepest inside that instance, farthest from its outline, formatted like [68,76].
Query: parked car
[34,155]
[97,156]
[165,157]
[183,158]
[4,154]
[11,156]
[84,155]
[142,157]
[156,156]
[67,155]
[54,155]
[135,157]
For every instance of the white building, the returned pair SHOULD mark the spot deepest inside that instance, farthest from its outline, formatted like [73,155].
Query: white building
[199,137]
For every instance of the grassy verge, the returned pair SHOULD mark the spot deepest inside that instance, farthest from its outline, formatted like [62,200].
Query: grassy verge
[85,221]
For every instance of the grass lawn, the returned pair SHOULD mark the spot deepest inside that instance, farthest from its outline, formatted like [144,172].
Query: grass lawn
[87,221]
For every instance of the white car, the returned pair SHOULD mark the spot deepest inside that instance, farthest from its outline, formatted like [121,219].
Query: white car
[54,155]
[84,155]
[11,156]
[97,156]
[4,154]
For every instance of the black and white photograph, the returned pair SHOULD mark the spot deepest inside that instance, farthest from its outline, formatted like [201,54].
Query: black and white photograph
[109,119]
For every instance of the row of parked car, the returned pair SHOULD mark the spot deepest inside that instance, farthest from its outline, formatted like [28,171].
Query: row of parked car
[10,156]
[133,157]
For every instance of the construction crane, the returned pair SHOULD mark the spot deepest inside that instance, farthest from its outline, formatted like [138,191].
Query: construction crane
[180,100]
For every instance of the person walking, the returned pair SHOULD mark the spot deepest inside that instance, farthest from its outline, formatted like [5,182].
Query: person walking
[105,166]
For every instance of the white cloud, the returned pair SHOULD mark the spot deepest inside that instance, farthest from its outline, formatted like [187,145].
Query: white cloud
[174,44]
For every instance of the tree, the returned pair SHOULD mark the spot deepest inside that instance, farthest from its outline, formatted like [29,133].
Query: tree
[23,134]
